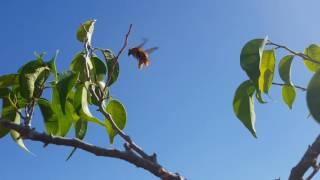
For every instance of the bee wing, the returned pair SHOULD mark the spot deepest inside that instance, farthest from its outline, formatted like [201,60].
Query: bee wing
[150,50]
[143,43]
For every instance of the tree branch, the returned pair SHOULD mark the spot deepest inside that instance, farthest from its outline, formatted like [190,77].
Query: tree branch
[298,87]
[127,155]
[308,160]
[302,55]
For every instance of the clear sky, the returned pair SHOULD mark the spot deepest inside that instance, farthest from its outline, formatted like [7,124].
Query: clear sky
[181,106]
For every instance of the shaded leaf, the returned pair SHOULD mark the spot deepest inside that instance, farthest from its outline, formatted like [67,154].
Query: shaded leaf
[119,116]
[285,69]
[267,65]
[313,96]
[85,31]
[8,113]
[312,51]
[243,105]
[49,116]
[9,80]
[113,66]
[31,77]
[99,69]
[288,95]
[250,58]
[80,131]
[79,65]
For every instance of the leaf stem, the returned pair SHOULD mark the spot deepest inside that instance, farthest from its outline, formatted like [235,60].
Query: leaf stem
[302,55]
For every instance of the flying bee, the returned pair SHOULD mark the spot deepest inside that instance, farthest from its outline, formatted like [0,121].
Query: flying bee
[141,54]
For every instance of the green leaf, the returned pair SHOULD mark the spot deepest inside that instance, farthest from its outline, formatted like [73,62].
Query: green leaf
[16,136]
[99,69]
[312,51]
[80,130]
[285,69]
[313,96]
[119,116]
[31,78]
[53,67]
[8,113]
[250,58]
[79,65]
[288,95]
[259,97]
[243,105]
[85,31]
[267,65]
[49,116]
[64,119]
[9,80]
[113,66]
[66,82]
[82,107]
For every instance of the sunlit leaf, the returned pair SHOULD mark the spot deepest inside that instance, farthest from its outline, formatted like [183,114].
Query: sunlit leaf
[267,65]
[85,31]
[285,69]
[16,136]
[250,58]
[312,51]
[313,96]
[243,105]
[64,85]
[64,120]
[82,107]
[53,67]
[288,95]
[119,116]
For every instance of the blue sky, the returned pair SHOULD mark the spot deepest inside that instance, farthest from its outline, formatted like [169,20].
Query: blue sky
[179,107]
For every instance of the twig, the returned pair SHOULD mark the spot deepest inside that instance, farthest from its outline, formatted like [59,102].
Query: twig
[125,44]
[154,168]
[307,161]
[298,87]
[122,134]
[302,55]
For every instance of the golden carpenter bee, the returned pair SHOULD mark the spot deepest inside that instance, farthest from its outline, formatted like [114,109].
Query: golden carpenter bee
[141,54]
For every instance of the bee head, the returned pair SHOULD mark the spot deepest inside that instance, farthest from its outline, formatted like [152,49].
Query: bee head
[130,52]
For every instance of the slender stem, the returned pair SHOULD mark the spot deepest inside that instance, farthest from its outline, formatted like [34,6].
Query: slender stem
[283,84]
[122,134]
[125,44]
[302,55]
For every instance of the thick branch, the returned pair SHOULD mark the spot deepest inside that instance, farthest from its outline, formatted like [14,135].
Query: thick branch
[308,160]
[127,155]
